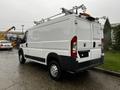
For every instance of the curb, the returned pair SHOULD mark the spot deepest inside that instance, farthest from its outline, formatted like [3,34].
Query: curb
[107,71]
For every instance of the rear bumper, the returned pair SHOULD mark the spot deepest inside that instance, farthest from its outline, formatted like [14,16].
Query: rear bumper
[71,65]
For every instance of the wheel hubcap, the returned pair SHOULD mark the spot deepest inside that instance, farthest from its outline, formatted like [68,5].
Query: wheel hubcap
[54,70]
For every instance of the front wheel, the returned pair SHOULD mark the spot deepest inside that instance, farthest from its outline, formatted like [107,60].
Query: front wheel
[55,70]
[21,58]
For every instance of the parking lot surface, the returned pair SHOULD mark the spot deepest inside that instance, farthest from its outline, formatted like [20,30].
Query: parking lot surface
[33,76]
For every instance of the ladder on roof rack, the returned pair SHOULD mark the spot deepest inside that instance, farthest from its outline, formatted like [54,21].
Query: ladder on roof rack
[64,11]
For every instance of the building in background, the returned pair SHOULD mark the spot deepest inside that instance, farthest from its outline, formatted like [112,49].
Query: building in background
[115,24]
[112,35]
[115,35]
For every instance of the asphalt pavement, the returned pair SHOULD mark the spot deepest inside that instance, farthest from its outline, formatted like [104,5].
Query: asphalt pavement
[33,76]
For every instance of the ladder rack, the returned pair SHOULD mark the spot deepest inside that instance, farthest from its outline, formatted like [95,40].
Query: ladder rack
[64,11]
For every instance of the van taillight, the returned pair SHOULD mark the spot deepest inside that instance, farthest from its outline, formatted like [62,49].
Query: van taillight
[74,47]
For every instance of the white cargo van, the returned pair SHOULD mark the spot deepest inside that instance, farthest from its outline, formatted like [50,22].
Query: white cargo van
[67,43]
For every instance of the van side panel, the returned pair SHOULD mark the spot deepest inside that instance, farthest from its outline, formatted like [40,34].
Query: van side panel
[49,38]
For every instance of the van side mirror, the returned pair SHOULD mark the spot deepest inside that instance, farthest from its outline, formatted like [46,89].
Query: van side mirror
[24,39]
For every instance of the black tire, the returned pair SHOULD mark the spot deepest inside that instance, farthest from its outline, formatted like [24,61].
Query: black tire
[22,60]
[58,75]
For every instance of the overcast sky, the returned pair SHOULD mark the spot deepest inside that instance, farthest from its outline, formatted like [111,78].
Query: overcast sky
[24,12]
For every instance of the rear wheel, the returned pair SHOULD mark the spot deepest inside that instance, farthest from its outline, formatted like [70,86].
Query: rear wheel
[21,58]
[55,70]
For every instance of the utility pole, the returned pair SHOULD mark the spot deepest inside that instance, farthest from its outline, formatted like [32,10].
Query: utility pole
[22,28]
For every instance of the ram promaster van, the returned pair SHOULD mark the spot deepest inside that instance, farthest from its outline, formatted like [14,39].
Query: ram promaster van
[71,42]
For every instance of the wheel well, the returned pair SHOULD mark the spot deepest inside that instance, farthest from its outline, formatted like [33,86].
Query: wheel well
[52,57]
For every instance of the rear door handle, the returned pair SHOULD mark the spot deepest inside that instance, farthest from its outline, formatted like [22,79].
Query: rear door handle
[94,44]
[26,44]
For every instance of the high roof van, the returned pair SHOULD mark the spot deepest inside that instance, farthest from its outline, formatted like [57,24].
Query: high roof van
[67,43]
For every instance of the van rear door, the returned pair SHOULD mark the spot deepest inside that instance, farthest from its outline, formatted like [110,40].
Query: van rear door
[96,40]
[89,35]
[84,36]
